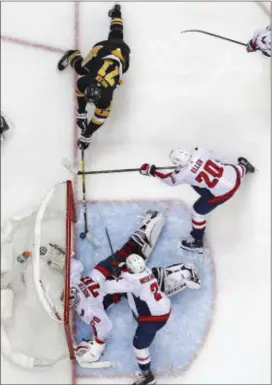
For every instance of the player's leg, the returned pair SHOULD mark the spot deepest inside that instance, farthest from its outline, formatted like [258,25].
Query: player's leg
[201,208]
[141,242]
[74,58]
[116,25]
[244,166]
[143,338]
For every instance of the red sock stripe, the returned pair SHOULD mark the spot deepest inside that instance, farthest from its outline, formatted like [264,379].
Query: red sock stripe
[100,342]
[143,359]
[103,270]
[197,223]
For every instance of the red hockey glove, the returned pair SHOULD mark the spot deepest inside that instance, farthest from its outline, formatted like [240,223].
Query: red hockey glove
[251,46]
[148,169]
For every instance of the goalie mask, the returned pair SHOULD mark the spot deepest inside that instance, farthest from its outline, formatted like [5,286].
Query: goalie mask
[135,263]
[93,93]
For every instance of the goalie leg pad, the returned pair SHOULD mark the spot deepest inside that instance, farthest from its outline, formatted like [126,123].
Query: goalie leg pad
[148,234]
[178,277]
[89,351]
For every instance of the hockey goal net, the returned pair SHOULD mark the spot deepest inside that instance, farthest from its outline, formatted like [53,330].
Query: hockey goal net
[36,250]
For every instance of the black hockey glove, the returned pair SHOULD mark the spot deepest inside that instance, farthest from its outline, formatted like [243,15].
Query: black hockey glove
[83,142]
[82,120]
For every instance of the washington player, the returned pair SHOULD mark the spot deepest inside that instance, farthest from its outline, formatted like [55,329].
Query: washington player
[214,181]
[261,41]
[145,290]
[87,293]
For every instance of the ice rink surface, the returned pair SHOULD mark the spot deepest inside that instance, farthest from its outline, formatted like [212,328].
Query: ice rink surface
[181,90]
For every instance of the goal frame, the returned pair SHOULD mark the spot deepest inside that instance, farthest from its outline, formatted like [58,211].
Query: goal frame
[64,317]
[70,220]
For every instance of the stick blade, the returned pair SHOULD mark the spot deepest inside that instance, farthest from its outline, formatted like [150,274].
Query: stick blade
[92,239]
[65,162]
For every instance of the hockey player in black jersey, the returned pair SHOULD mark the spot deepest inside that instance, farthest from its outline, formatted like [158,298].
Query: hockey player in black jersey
[100,73]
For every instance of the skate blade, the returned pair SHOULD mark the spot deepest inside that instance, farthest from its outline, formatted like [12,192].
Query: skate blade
[198,250]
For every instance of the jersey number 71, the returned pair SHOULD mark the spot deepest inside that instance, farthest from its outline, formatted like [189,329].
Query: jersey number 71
[210,174]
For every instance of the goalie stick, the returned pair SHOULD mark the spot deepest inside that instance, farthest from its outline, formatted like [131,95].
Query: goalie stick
[71,168]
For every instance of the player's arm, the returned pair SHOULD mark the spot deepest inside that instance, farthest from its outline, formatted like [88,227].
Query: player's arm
[261,41]
[170,178]
[119,285]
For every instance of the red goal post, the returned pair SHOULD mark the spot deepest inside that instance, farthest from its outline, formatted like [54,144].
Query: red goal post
[36,251]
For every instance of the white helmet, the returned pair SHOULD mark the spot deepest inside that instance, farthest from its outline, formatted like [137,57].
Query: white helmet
[135,263]
[180,157]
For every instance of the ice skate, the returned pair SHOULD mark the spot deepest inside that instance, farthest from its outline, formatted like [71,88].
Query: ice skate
[192,244]
[249,168]
[145,378]
[63,63]
[115,11]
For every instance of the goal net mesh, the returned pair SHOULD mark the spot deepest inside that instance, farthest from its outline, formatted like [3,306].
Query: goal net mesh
[35,281]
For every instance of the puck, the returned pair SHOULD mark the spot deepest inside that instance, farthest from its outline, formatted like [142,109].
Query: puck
[82,235]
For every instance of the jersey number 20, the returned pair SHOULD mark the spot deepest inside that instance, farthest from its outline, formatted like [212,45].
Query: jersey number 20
[210,174]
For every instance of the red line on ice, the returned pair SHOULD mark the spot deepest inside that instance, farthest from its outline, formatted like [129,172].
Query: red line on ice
[28,43]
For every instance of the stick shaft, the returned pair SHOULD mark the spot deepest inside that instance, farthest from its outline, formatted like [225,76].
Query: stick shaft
[215,35]
[84,192]
[123,170]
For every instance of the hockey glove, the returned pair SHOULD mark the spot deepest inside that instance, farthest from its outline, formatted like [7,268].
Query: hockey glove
[251,46]
[148,169]
[83,142]
[82,120]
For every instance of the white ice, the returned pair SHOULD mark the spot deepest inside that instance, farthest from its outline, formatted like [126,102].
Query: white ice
[180,90]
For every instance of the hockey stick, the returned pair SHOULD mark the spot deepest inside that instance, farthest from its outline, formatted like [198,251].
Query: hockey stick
[85,234]
[71,168]
[114,263]
[213,34]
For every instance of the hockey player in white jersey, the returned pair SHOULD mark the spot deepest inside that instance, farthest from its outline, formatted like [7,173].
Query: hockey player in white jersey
[261,41]
[215,182]
[87,293]
[147,292]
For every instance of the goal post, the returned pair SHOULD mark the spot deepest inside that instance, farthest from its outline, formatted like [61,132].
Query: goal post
[36,252]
